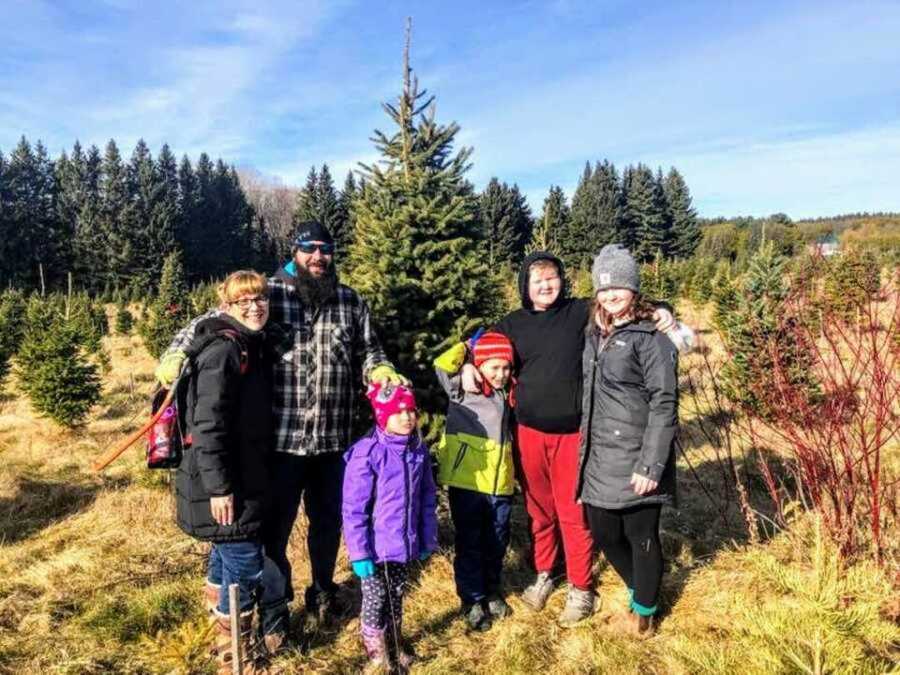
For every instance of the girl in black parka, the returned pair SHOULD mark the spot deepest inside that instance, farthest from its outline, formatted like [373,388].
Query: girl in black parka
[221,484]
[630,415]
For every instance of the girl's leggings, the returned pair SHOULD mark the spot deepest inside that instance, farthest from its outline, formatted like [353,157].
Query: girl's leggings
[629,538]
[382,596]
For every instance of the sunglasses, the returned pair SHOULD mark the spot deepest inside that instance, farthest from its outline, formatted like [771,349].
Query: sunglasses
[259,301]
[309,247]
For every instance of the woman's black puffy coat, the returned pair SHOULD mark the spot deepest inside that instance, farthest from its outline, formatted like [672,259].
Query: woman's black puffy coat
[229,419]
[630,416]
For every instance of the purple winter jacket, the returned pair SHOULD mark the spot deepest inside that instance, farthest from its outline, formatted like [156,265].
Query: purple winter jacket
[389,499]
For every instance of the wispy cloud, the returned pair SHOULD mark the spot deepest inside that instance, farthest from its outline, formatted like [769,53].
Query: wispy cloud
[763,106]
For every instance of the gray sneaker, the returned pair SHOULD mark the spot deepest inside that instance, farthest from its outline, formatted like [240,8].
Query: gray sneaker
[497,607]
[535,596]
[579,606]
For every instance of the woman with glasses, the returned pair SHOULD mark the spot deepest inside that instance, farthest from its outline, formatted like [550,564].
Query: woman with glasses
[222,483]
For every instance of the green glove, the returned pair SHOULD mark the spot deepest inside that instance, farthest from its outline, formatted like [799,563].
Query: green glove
[169,368]
[385,373]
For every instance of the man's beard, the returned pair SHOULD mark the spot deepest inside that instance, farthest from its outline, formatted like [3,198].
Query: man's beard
[315,291]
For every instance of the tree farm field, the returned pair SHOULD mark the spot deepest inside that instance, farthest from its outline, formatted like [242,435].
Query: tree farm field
[96,578]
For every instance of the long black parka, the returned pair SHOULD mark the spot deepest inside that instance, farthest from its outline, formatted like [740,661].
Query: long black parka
[229,419]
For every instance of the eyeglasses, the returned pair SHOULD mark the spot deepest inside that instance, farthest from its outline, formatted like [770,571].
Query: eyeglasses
[259,301]
[309,247]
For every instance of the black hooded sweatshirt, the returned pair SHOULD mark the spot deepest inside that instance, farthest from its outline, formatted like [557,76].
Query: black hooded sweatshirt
[548,347]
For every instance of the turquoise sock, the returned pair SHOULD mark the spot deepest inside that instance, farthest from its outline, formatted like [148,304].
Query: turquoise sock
[640,609]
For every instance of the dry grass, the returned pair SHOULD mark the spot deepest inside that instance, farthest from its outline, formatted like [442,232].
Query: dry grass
[95,578]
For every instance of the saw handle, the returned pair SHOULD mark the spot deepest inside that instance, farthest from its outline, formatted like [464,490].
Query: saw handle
[102,462]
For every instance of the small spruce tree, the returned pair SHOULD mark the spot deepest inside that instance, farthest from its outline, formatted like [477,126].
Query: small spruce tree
[12,327]
[124,319]
[169,311]
[53,367]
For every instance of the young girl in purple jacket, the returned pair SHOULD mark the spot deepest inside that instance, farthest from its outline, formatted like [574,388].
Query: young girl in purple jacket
[389,519]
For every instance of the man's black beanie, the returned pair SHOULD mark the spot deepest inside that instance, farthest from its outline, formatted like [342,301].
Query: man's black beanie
[312,230]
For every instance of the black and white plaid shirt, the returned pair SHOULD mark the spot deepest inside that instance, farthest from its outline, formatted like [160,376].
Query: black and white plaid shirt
[316,383]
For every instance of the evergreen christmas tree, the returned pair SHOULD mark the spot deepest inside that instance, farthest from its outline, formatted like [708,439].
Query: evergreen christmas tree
[12,327]
[124,319]
[684,229]
[506,221]
[52,367]
[418,257]
[645,214]
[759,336]
[851,281]
[554,219]
[346,220]
[169,311]
[657,280]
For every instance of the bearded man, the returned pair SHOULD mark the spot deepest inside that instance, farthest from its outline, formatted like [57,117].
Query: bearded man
[332,353]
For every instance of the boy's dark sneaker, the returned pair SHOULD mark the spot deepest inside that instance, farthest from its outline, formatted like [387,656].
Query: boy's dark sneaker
[476,617]
[497,607]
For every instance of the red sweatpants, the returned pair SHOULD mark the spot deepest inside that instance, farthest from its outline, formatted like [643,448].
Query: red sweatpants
[549,472]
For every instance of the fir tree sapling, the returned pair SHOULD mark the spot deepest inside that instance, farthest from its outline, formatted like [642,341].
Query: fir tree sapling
[53,368]
[12,327]
[124,318]
[169,311]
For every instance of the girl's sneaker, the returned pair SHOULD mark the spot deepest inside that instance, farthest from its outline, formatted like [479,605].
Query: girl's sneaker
[476,617]
[579,606]
[497,607]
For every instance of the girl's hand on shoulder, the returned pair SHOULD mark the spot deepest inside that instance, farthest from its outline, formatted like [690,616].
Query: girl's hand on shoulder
[471,379]
[642,485]
[222,509]
[664,319]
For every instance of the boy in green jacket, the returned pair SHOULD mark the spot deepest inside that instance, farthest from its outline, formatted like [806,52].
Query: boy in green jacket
[475,462]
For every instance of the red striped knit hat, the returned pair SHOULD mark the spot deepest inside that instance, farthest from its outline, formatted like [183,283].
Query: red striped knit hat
[492,346]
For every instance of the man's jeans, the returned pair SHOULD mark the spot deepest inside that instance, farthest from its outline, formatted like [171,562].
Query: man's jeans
[236,562]
[318,481]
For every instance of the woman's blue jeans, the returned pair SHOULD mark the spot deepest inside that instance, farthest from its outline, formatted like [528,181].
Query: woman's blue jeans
[236,562]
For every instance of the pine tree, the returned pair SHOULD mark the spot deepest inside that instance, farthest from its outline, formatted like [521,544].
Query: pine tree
[757,332]
[124,319]
[118,243]
[418,256]
[52,367]
[346,220]
[32,242]
[684,229]
[645,214]
[319,201]
[575,237]
[170,310]
[12,327]
[554,219]
[506,222]
[657,280]
[851,280]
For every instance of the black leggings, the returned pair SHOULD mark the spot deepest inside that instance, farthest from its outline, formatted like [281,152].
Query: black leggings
[629,538]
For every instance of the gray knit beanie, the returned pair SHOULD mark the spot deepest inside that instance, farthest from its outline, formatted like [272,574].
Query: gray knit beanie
[615,268]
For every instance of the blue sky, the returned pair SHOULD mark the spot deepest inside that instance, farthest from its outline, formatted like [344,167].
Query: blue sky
[763,106]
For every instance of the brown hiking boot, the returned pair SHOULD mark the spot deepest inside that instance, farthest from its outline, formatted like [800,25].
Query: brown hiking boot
[222,644]
[633,624]
[211,596]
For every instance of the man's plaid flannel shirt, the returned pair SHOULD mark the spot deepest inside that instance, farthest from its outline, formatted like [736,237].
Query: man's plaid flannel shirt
[317,382]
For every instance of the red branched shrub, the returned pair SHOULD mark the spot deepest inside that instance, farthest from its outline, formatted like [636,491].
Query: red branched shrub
[836,434]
